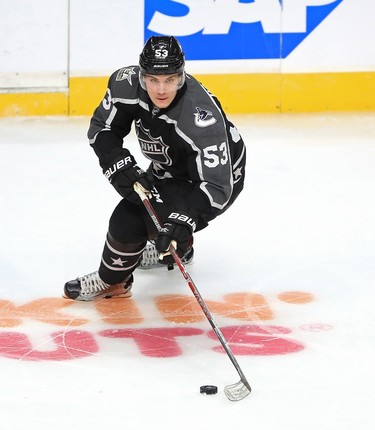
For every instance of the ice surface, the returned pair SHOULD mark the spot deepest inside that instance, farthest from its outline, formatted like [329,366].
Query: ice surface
[288,273]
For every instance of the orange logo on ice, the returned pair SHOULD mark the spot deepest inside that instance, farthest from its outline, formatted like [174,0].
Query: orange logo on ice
[246,332]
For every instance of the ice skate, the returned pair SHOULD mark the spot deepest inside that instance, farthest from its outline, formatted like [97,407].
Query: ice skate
[91,287]
[151,258]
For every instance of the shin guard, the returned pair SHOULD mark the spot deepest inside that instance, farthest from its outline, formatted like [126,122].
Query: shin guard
[119,260]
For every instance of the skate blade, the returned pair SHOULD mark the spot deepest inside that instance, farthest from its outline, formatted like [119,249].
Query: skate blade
[114,295]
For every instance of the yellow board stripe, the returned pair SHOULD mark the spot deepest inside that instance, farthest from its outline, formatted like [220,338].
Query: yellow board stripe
[26,104]
[239,93]
[313,92]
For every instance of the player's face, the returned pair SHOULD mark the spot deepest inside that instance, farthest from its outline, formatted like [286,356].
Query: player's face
[162,89]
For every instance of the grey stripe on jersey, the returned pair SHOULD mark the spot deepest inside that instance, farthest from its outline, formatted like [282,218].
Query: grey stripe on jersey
[125,101]
[113,113]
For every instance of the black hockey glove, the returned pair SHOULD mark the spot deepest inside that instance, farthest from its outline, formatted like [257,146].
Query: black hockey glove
[178,228]
[123,173]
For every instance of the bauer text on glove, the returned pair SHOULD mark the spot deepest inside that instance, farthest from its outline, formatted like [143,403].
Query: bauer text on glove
[123,173]
[179,228]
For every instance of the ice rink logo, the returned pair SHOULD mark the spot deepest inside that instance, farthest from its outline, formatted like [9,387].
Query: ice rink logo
[247,314]
[236,29]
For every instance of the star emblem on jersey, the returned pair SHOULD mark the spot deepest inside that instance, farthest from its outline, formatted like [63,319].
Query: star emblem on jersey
[237,174]
[117,262]
[203,118]
[126,73]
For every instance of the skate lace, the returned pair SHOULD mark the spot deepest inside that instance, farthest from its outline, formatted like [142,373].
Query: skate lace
[92,283]
[150,256]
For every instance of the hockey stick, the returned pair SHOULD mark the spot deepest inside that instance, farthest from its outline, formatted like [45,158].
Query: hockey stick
[240,389]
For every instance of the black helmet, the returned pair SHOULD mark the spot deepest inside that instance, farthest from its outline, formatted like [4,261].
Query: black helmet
[162,55]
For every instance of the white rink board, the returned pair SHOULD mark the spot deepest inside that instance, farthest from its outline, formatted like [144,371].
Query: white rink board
[41,46]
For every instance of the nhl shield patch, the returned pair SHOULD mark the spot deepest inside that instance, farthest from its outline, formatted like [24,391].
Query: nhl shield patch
[152,147]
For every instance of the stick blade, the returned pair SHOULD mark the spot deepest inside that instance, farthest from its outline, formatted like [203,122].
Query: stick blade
[237,391]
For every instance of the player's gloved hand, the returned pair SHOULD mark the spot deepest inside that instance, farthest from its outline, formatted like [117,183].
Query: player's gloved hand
[177,228]
[123,172]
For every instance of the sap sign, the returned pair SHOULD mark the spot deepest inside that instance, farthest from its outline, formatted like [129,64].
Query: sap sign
[236,29]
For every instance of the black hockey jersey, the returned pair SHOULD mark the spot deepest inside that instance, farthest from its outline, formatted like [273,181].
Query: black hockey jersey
[191,140]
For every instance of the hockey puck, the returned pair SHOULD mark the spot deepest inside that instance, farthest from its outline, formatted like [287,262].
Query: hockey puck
[208,389]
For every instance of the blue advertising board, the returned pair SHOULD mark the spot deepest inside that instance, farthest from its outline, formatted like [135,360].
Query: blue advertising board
[236,29]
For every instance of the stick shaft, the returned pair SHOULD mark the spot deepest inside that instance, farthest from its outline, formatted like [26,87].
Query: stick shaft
[193,287]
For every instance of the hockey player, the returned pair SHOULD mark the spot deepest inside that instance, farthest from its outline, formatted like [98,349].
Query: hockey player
[197,164]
